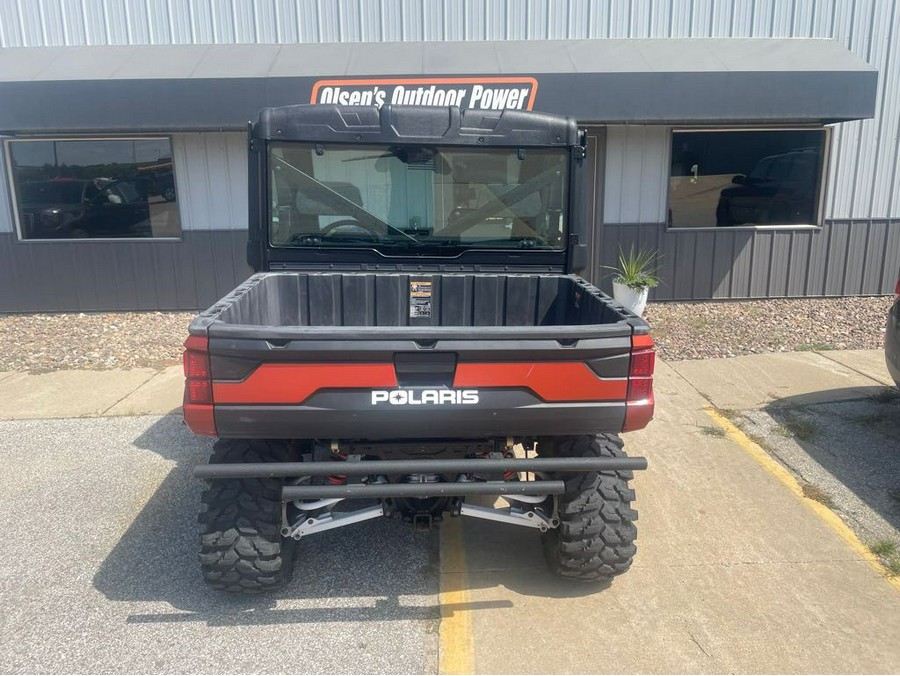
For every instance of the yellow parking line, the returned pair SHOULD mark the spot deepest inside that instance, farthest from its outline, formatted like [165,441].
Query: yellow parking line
[456,655]
[784,476]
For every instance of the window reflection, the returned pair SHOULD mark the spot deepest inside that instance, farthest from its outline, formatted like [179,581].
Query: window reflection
[745,178]
[94,188]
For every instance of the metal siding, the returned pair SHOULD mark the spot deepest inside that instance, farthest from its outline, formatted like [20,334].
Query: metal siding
[637,174]
[127,275]
[857,251]
[117,22]
[704,251]
[370,19]
[10,32]
[891,269]
[778,269]
[211,175]
[768,263]
[835,263]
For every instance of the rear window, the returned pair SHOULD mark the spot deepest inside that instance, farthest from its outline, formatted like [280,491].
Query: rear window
[417,197]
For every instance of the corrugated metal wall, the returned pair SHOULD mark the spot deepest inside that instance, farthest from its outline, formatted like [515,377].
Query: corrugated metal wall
[88,274]
[865,180]
[856,252]
[843,258]
[637,174]
[211,179]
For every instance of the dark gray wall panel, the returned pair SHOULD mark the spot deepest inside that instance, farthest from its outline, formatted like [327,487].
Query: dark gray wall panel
[704,252]
[858,257]
[839,236]
[842,258]
[128,275]
[797,263]
[890,263]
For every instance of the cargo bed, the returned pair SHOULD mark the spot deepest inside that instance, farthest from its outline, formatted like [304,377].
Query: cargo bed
[298,301]
[299,355]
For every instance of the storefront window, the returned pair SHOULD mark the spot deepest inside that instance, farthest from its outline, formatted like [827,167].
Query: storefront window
[94,188]
[746,178]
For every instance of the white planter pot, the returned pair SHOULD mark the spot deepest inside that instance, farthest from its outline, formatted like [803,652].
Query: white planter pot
[634,300]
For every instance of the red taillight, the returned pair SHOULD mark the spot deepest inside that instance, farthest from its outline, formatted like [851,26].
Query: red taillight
[639,406]
[897,290]
[642,364]
[640,389]
[198,391]
[198,399]
[196,364]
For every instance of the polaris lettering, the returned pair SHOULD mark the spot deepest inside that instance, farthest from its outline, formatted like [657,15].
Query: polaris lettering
[424,397]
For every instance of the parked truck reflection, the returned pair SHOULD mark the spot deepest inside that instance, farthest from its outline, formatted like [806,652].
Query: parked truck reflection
[76,208]
[779,190]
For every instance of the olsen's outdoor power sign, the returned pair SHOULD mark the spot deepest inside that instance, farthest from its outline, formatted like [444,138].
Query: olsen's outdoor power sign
[476,93]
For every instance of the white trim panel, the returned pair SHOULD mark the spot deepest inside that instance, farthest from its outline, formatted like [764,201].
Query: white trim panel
[211,175]
[637,173]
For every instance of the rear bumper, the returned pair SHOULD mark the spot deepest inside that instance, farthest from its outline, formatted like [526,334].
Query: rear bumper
[305,422]
[447,469]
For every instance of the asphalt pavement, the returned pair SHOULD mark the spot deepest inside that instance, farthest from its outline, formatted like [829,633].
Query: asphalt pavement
[735,573]
[99,571]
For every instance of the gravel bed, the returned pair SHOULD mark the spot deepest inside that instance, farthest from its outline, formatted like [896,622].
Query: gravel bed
[103,340]
[682,331]
[732,328]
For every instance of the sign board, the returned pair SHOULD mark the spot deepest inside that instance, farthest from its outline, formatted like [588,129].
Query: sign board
[475,93]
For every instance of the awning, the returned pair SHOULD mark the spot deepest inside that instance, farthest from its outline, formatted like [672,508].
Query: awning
[681,80]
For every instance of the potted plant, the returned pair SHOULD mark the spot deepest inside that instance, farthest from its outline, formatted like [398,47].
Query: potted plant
[635,276]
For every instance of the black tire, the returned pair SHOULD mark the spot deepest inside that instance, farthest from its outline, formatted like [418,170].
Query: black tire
[241,546]
[596,533]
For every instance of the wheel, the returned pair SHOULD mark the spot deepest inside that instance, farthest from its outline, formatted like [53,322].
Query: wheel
[723,215]
[596,533]
[241,546]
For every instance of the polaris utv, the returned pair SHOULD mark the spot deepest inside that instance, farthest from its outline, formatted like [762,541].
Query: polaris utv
[415,336]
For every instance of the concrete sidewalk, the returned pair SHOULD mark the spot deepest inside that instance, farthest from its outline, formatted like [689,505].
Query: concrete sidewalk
[734,383]
[754,381]
[79,394]
[733,575]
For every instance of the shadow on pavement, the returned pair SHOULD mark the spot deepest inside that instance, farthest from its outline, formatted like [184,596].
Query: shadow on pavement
[511,556]
[855,435]
[355,574]
[358,573]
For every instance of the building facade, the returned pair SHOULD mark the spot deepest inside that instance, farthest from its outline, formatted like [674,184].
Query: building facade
[765,163]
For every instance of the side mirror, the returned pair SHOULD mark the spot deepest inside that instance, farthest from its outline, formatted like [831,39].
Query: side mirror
[739,179]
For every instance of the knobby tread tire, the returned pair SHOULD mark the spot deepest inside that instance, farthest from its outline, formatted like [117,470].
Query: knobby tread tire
[241,546]
[596,534]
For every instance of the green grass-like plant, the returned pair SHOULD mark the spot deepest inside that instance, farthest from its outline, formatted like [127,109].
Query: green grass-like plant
[637,269]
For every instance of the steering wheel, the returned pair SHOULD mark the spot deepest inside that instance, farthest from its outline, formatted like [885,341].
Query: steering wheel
[350,225]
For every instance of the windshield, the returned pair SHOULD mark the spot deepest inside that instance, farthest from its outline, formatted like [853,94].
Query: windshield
[417,197]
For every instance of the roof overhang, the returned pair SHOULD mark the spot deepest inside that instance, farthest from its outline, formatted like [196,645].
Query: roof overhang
[656,81]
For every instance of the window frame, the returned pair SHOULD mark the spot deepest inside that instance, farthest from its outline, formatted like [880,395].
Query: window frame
[821,179]
[13,197]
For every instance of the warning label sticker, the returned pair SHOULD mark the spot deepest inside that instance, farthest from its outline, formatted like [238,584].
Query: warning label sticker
[420,298]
